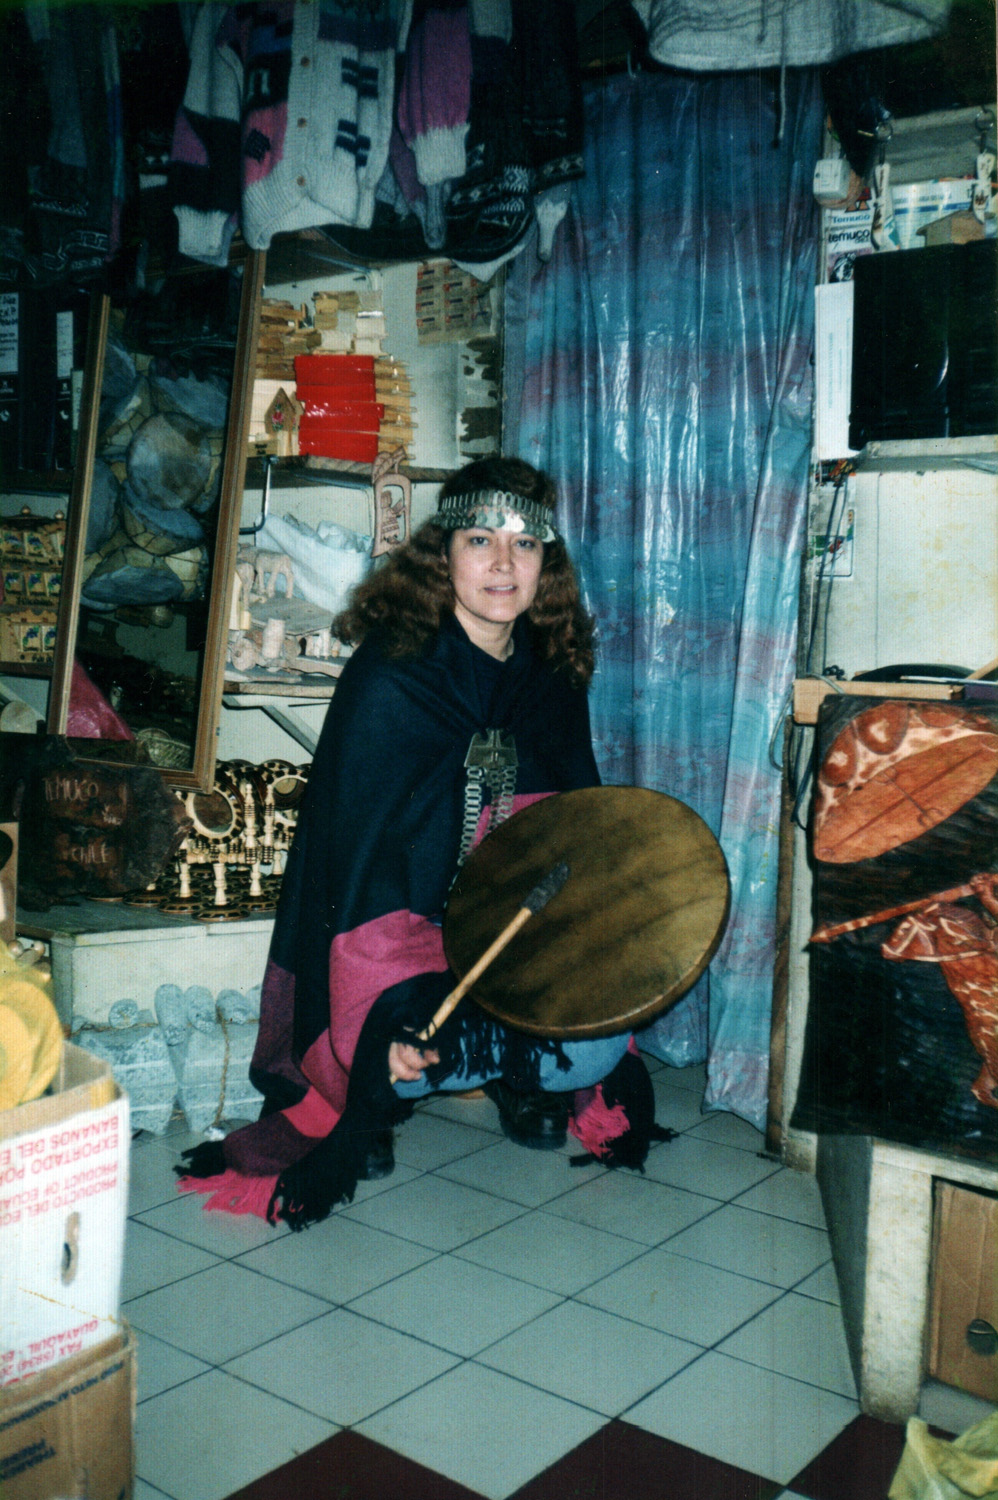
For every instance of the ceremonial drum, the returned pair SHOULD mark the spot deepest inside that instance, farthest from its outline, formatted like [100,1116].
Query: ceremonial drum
[634,926]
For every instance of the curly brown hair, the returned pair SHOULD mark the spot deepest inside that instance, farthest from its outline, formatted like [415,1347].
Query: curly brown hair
[408,595]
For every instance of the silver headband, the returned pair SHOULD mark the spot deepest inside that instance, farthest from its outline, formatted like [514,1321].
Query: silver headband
[498,510]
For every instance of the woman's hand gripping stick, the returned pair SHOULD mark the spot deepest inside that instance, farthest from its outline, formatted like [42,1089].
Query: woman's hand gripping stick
[539,897]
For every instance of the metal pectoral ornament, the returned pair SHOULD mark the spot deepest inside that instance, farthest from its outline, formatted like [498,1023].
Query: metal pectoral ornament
[490,762]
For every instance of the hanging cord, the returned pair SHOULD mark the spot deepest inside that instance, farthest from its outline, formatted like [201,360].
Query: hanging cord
[984,122]
[223,1081]
[775,760]
[781,97]
[800,782]
[835,516]
[783,74]
[800,779]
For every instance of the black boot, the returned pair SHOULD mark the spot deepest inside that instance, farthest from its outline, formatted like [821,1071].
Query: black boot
[379,1160]
[539,1121]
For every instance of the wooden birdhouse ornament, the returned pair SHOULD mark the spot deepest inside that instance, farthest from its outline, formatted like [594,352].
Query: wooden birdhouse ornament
[280,422]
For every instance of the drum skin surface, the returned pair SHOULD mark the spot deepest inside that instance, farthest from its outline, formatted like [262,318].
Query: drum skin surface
[634,926]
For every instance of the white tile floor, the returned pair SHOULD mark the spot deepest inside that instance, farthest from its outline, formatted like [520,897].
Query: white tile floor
[484,1290]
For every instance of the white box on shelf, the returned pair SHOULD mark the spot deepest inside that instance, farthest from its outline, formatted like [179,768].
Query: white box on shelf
[833,320]
[94,966]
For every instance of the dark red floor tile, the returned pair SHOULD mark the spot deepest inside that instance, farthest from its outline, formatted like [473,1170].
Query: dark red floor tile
[351,1467]
[858,1465]
[621,1462]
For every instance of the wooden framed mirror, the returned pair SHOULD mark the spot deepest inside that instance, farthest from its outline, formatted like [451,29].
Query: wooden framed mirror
[153,520]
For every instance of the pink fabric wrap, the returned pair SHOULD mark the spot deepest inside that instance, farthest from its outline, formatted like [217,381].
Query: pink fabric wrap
[593,1124]
[232,1193]
[363,963]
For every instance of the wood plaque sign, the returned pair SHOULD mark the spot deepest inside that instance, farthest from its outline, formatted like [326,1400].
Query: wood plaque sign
[89,829]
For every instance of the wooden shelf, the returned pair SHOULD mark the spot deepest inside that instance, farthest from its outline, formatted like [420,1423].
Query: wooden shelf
[311,685]
[25,669]
[922,455]
[305,254]
[809,693]
[31,482]
[310,468]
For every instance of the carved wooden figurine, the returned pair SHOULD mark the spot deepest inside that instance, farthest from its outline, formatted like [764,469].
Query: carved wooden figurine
[392,502]
[259,571]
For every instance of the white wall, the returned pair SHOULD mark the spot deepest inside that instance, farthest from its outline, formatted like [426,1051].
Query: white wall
[923,582]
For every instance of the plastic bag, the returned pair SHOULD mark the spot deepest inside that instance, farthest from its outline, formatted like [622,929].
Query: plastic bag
[934,1468]
[327,562]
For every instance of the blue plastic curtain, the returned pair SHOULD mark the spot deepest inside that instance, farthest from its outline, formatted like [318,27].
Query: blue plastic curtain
[659,367]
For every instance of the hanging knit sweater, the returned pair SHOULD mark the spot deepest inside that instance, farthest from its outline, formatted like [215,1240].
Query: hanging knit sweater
[286,119]
[434,99]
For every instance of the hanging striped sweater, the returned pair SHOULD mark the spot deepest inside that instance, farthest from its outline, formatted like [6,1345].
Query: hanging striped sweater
[286,119]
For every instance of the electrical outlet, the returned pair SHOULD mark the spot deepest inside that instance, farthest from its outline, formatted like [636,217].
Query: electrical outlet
[831,180]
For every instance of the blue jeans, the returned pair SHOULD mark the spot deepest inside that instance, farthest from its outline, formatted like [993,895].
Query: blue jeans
[590,1061]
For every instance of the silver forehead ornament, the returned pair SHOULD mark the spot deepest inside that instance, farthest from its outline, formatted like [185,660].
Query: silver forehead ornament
[496,510]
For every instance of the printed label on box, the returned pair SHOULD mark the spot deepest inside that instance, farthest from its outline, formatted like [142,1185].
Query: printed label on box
[72,1426]
[63,1202]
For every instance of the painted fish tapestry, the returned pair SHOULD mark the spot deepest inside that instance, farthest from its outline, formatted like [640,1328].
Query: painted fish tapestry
[901,1039]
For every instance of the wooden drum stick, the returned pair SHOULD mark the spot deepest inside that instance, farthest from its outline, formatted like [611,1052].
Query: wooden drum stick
[535,902]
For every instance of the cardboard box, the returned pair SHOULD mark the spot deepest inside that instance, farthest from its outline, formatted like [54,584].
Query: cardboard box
[334,369]
[848,233]
[917,204]
[63,1204]
[953,229]
[963,1317]
[76,1419]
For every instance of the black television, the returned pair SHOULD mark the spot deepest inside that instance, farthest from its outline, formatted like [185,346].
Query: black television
[925,343]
